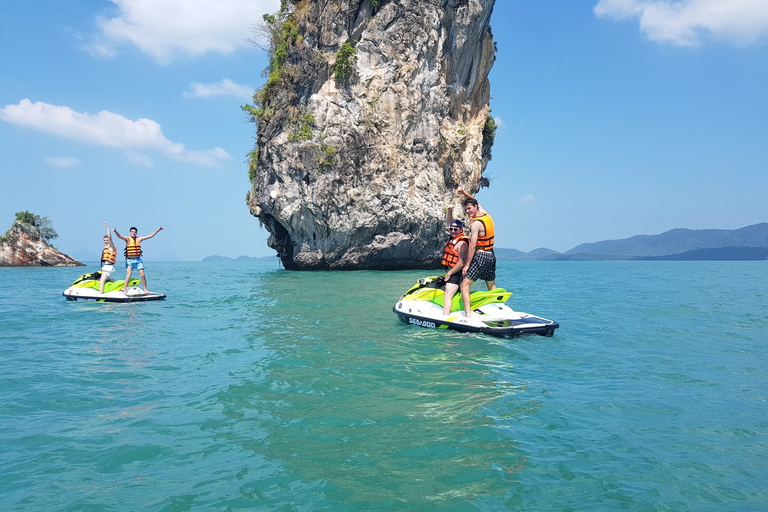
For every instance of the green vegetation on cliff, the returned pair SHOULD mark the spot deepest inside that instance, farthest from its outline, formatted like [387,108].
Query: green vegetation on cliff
[42,225]
[489,133]
[345,58]
[302,127]
[281,30]
[276,102]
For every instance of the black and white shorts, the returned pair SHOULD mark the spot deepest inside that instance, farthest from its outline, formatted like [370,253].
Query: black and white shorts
[483,267]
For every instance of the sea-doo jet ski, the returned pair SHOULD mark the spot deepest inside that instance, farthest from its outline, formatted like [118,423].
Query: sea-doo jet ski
[86,287]
[422,305]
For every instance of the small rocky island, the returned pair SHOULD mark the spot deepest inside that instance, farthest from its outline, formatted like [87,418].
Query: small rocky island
[27,244]
[372,114]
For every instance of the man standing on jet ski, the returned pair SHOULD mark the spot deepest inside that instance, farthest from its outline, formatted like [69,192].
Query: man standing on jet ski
[481,261]
[454,257]
[133,255]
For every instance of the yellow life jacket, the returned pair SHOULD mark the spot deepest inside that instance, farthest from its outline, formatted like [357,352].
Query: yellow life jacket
[108,256]
[132,248]
[485,243]
[451,255]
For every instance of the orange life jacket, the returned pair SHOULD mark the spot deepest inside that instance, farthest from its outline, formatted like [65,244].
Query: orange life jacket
[132,248]
[451,255]
[108,256]
[485,243]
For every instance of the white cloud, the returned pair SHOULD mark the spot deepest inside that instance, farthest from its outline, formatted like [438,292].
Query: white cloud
[224,88]
[62,161]
[105,129]
[165,29]
[527,199]
[498,121]
[687,22]
[209,158]
[138,158]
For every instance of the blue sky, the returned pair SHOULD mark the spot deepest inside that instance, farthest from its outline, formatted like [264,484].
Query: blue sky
[617,118]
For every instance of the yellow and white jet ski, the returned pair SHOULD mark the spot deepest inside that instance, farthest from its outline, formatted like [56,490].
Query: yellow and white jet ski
[86,287]
[422,305]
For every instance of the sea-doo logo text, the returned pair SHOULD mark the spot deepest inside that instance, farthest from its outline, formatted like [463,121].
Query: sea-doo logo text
[422,323]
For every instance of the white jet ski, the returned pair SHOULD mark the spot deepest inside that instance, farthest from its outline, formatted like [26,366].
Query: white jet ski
[86,287]
[422,305]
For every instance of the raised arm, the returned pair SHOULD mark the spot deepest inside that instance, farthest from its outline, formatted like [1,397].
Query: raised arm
[153,234]
[121,237]
[466,194]
[109,234]
[463,192]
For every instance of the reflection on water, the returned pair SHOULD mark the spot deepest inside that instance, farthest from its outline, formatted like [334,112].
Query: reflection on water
[367,408]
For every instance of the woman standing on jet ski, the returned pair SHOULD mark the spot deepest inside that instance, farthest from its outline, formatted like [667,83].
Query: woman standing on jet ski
[108,258]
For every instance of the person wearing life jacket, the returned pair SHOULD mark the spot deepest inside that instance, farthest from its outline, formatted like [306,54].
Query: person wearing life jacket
[481,261]
[133,255]
[108,258]
[454,258]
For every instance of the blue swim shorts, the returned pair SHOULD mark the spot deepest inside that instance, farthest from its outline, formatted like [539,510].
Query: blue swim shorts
[134,263]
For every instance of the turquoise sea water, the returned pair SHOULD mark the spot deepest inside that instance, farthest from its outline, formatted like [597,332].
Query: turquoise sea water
[255,388]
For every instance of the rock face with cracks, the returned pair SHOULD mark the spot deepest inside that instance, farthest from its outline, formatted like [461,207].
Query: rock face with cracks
[373,114]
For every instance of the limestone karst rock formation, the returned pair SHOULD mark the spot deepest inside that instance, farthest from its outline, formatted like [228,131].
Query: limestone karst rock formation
[372,115]
[23,246]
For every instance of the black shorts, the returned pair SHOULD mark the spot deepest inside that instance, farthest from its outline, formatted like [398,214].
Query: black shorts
[455,278]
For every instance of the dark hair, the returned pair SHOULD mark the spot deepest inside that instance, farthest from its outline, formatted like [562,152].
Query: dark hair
[470,200]
[133,228]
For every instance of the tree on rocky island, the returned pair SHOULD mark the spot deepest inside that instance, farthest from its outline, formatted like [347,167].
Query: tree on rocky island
[42,224]
[27,243]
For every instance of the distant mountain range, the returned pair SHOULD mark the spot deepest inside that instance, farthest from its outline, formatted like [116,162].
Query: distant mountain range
[747,243]
[216,258]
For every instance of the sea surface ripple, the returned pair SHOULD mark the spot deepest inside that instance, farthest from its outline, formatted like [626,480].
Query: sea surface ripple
[256,388]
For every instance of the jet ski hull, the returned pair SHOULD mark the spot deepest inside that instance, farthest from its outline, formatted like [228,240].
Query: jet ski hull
[86,288]
[115,296]
[422,305]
